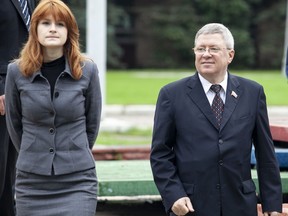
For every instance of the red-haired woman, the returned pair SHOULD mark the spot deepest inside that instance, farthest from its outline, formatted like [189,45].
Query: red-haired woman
[53,109]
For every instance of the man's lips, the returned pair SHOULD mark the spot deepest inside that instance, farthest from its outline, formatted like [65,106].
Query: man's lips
[207,63]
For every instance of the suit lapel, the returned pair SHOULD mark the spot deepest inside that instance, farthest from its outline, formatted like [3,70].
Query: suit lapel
[31,6]
[233,94]
[196,93]
[18,8]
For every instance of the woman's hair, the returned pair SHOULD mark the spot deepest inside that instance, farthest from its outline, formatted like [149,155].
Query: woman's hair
[217,28]
[31,56]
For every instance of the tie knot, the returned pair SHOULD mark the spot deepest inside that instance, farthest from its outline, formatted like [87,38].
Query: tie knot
[216,88]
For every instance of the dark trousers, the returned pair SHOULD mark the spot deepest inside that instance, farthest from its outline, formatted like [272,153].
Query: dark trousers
[8,157]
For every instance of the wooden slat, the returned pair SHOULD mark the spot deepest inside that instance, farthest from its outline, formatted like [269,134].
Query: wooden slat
[125,178]
[134,178]
[279,132]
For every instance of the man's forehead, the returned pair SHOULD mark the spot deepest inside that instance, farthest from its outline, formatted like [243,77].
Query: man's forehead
[210,38]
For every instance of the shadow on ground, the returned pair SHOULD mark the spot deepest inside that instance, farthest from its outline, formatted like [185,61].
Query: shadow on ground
[130,209]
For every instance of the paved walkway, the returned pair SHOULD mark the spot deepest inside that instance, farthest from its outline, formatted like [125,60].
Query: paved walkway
[125,117]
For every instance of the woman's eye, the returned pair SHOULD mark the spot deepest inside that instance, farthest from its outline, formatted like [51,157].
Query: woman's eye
[61,24]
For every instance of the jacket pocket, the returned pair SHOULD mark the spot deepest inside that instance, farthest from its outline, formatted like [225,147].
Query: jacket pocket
[189,188]
[248,186]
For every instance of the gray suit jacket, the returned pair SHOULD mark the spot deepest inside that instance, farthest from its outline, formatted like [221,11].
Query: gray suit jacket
[56,133]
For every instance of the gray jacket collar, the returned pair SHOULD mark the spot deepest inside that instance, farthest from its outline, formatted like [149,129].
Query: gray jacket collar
[67,70]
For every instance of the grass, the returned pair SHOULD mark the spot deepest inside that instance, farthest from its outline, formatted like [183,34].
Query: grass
[274,83]
[142,86]
[136,87]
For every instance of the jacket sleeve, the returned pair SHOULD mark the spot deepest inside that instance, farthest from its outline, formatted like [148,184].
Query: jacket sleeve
[13,106]
[93,105]
[162,156]
[267,165]
[2,84]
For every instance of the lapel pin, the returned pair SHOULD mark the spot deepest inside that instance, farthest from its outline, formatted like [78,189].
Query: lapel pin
[234,94]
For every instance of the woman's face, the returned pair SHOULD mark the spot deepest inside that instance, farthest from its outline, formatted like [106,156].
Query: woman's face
[52,33]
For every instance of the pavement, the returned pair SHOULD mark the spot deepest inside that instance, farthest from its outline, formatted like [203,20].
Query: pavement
[121,118]
[124,117]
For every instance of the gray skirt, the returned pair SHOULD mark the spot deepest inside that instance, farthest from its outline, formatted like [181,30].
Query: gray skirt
[57,195]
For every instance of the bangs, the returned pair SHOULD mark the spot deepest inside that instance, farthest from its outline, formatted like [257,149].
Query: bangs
[58,13]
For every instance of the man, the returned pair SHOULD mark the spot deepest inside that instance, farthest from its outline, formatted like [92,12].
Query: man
[201,159]
[13,34]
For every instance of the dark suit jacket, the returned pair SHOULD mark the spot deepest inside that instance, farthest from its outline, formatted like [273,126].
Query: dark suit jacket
[286,63]
[190,157]
[13,34]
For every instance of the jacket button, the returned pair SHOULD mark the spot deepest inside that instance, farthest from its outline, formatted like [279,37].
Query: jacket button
[51,150]
[221,141]
[220,162]
[218,186]
[51,130]
[56,94]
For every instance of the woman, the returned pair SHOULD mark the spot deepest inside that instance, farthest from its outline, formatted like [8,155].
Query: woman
[53,108]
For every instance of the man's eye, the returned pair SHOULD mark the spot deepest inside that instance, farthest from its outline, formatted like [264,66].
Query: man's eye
[201,49]
[214,49]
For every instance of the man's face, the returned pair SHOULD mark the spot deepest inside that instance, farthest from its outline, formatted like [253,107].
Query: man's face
[212,56]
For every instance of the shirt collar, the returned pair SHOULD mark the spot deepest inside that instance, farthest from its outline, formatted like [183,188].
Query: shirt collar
[206,84]
[38,73]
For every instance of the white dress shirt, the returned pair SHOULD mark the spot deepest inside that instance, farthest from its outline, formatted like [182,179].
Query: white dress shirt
[209,93]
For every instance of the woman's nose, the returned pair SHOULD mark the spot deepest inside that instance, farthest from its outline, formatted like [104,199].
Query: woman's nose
[53,27]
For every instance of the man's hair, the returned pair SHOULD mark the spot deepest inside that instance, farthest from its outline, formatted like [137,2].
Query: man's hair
[217,28]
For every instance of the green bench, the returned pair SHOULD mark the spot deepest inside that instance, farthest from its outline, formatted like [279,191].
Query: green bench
[133,178]
[125,178]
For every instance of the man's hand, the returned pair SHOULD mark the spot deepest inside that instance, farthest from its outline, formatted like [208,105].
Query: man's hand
[2,105]
[271,214]
[182,206]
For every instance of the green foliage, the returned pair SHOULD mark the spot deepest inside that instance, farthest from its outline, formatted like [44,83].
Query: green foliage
[269,37]
[226,12]
[116,16]
[164,33]
[245,51]
[172,30]
[78,7]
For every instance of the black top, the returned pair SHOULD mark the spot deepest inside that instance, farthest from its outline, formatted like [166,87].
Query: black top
[52,70]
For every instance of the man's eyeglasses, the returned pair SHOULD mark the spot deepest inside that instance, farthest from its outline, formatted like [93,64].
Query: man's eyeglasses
[211,50]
